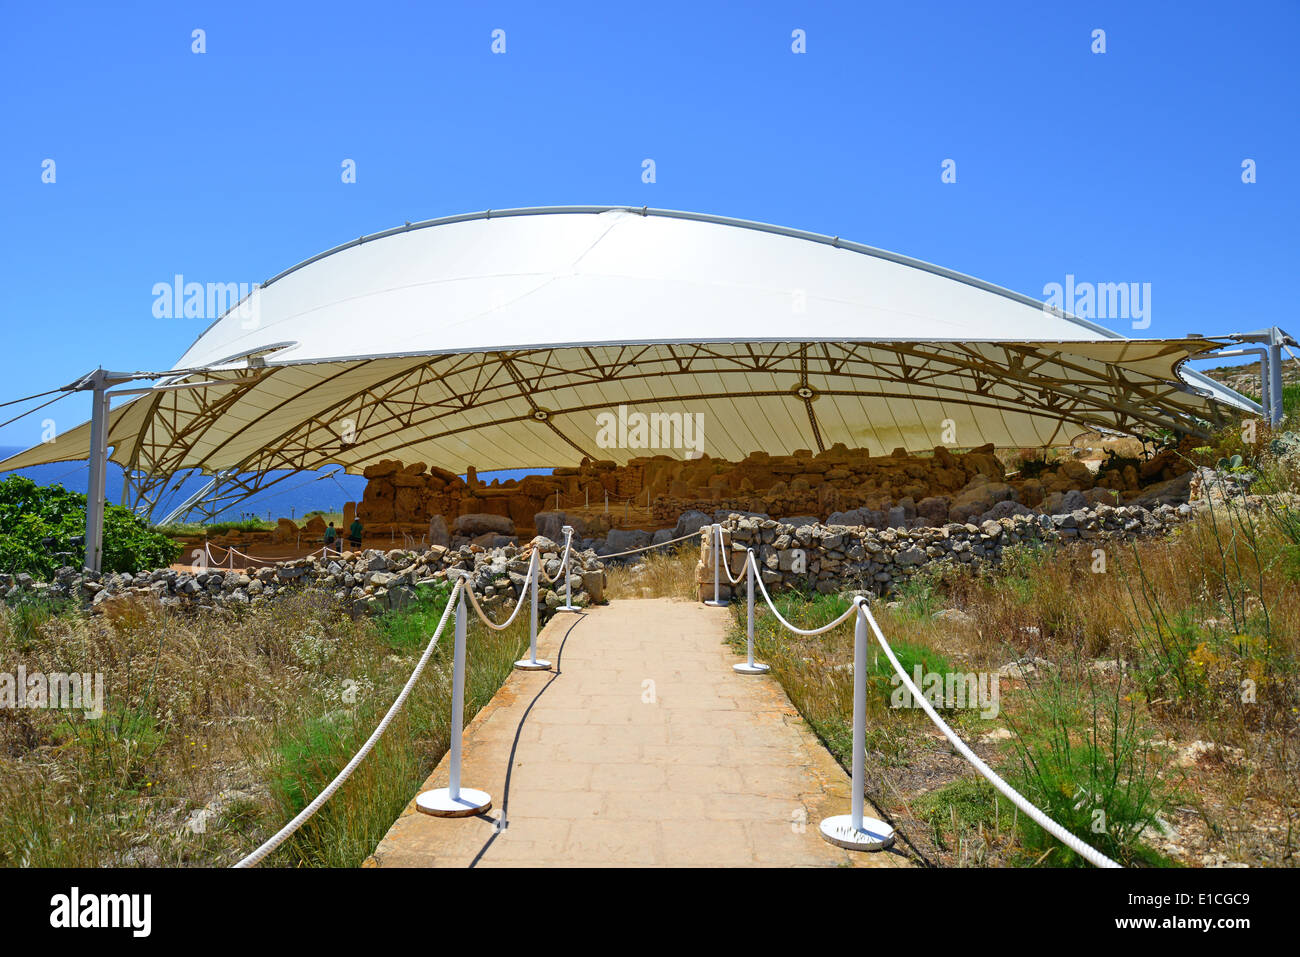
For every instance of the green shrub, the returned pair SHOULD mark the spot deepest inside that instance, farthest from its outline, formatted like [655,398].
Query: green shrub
[38,525]
[967,805]
[1085,760]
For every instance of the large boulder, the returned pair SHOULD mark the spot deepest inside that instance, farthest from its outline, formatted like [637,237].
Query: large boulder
[978,497]
[866,517]
[689,522]
[387,467]
[851,518]
[934,509]
[490,540]
[550,524]
[438,534]
[1004,509]
[481,523]
[798,521]
[1173,492]
[625,539]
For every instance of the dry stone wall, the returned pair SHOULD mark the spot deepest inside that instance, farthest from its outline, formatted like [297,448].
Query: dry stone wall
[362,582]
[834,558]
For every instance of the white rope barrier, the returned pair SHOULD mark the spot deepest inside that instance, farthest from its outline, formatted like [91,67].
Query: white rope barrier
[564,560]
[749,557]
[231,552]
[564,570]
[1085,851]
[854,830]
[799,631]
[306,813]
[646,548]
[519,604]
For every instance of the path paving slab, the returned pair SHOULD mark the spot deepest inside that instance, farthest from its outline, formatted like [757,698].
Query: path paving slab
[642,749]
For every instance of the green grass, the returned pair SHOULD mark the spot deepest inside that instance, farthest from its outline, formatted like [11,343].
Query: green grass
[409,629]
[309,755]
[920,596]
[1290,402]
[271,703]
[1079,753]
[194,529]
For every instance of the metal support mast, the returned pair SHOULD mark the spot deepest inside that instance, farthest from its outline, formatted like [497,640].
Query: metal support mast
[97,383]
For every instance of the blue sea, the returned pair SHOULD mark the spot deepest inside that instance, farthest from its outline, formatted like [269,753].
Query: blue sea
[296,495]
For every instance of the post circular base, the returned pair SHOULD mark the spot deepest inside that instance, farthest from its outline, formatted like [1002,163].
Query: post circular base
[569,608]
[717,604]
[874,836]
[528,664]
[440,803]
[745,668]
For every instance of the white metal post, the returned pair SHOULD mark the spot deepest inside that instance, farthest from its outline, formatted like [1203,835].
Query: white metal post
[717,552]
[568,585]
[453,800]
[750,667]
[98,472]
[852,830]
[458,698]
[859,717]
[1275,407]
[531,663]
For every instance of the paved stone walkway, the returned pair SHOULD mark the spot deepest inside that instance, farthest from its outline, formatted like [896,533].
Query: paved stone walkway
[644,749]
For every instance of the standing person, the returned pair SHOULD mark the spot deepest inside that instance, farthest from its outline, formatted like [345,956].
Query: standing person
[331,535]
[354,533]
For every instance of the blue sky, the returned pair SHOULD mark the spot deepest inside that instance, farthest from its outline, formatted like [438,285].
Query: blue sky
[225,166]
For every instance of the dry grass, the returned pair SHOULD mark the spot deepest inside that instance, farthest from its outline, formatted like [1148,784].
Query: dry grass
[218,729]
[658,574]
[1195,637]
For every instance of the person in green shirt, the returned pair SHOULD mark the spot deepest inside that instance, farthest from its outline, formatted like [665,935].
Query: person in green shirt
[354,532]
[331,534]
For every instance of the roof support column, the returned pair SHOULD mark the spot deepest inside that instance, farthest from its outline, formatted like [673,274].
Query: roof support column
[1275,340]
[98,472]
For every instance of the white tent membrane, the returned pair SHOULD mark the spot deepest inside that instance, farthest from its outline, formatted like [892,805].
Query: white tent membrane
[497,339]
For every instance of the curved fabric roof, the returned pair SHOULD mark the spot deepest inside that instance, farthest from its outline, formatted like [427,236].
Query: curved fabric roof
[496,339]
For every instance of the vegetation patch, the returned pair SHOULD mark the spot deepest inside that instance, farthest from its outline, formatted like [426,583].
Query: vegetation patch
[217,729]
[43,527]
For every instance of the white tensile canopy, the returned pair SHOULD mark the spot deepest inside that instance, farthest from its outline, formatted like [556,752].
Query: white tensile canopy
[497,340]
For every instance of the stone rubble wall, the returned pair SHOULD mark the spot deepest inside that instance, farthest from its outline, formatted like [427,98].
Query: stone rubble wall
[837,557]
[362,582]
